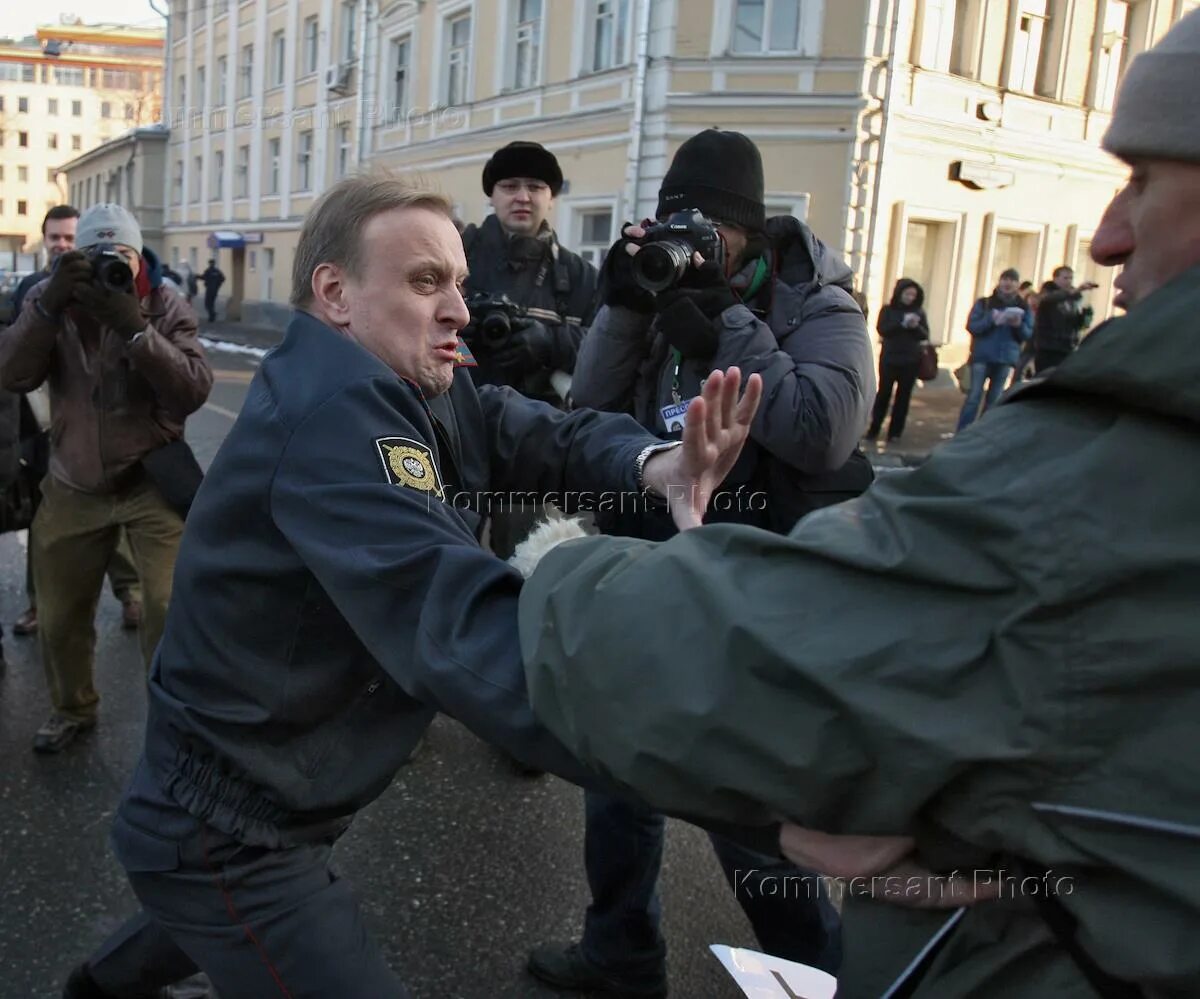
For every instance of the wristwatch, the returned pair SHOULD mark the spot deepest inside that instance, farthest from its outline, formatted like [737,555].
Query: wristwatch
[639,466]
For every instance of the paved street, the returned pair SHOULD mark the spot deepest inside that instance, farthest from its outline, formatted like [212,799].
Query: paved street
[461,866]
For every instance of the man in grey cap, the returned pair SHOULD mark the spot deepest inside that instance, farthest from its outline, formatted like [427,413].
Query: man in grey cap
[124,370]
[991,659]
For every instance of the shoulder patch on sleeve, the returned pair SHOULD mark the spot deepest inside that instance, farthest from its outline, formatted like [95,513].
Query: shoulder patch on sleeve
[407,462]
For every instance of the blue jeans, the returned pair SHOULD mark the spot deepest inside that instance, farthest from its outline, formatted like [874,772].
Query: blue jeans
[623,846]
[997,378]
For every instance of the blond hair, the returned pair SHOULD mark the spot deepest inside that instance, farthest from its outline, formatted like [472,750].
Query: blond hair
[332,232]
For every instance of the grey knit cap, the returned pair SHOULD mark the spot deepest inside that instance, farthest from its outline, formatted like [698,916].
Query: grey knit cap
[1158,103]
[108,223]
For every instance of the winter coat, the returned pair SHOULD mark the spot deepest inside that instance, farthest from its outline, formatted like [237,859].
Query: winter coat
[111,401]
[1060,318]
[556,286]
[992,344]
[994,654]
[901,343]
[804,334]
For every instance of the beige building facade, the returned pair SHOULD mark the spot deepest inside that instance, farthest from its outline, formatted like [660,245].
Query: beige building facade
[129,171]
[66,91]
[937,139]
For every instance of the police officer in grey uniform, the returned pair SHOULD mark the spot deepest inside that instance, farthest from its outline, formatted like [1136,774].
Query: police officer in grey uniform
[331,596]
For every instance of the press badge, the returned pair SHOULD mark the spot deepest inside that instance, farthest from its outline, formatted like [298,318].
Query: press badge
[674,414]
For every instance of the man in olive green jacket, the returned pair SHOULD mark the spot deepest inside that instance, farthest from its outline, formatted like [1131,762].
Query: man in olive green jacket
[996,656]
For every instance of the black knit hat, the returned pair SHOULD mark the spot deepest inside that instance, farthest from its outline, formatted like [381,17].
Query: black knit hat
[523,159]
[720,174]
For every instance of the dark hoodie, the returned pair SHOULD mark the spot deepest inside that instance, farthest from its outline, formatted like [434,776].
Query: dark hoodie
[902,344]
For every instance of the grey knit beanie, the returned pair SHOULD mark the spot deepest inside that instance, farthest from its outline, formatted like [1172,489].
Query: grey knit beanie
[1158,103]
[108,223]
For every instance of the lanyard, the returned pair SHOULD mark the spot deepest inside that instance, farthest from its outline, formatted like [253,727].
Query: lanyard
[756,283]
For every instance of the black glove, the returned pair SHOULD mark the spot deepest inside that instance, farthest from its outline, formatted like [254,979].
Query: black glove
[72,273]
[530,346]
[120,311]
[617,284]
[688,313]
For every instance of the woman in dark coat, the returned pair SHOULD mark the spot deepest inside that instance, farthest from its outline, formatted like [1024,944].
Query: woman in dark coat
[904,329]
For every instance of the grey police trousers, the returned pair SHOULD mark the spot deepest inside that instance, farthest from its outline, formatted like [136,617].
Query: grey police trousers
[258,922]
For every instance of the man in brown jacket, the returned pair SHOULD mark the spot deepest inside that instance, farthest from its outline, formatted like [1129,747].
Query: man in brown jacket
[124,370]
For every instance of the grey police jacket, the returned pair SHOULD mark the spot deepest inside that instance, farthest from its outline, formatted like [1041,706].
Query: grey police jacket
[331,595]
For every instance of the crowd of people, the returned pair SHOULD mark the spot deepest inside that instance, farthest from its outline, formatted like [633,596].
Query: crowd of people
[944,686]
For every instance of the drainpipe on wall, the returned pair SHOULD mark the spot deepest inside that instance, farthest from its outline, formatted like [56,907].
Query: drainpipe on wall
[365,113]
[633,166]
[876,192]
[167,95]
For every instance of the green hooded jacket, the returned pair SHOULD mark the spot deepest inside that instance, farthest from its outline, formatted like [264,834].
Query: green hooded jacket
[997,654]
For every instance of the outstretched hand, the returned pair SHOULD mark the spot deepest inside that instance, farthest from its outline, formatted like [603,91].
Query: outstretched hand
[714,431]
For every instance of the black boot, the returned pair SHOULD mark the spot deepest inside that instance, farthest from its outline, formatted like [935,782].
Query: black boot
[565,967]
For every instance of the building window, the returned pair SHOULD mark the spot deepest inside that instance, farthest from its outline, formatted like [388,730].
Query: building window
[458,57]
[349,26]
[278,56]
[52,141]
[22,175]
[766,26]
[218,175]
[76,143]
[273,176]
[52,106]
[241,188]
[70,77]
[311,52]
[343,161]
[595,235]
[106,109]
[23,139]
[527,51]
[401,48]
[22,208]
[304,162]
[219,82]
[76,109]
[1027,46]
[177,184]
[51,175]
[201,96]
[929,260]
[268,273]
[1014,249]
[610,34]
[197,177]
[246,72]
[22,105]
[935,47]
[1109,62]
[28,72]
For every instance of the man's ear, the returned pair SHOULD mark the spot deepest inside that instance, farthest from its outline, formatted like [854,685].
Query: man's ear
[330,293]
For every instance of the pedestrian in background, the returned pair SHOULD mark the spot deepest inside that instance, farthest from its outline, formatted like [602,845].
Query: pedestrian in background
[1061,318]
[904,329]
[999,324]
[213,279]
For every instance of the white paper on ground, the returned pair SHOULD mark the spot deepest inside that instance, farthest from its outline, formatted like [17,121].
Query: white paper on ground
[761,976]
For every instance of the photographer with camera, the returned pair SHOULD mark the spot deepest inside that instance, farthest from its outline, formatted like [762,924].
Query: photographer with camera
[713,283]
[1060,319]
[530,299]
[124,371]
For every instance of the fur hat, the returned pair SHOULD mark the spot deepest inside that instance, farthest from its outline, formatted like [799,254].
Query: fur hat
[523,159]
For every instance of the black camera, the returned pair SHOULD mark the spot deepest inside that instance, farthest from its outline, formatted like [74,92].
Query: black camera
[493,317]
[667,248]
[109,269]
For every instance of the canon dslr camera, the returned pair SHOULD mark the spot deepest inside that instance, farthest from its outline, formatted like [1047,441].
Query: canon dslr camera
[667,248]
[109,269]
[493,317]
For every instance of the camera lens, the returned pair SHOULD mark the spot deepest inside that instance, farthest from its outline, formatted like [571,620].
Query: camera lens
[494,328]
[116,275]
[657,266]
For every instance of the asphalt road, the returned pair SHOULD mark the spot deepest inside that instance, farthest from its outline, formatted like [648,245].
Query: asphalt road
[462,866]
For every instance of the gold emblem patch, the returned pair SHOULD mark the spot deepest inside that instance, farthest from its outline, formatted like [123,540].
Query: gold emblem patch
[409,463]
